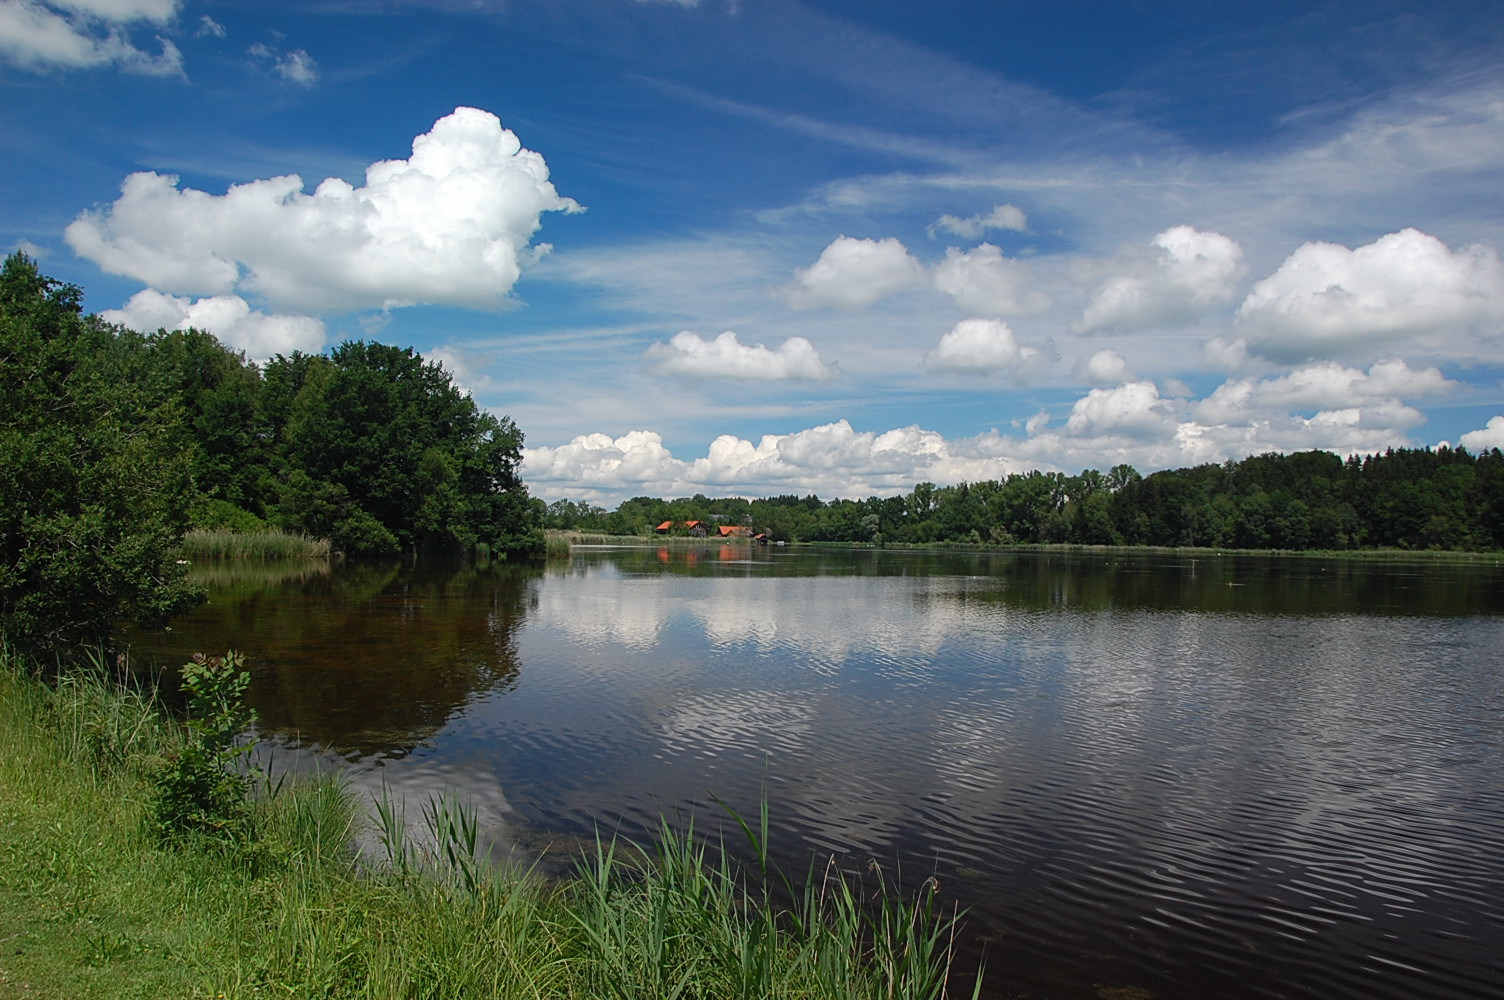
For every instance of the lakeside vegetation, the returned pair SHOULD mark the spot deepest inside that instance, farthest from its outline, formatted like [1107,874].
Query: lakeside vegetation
[267,545]
[101,900]
[369,446]
[122,455]
[1404,499]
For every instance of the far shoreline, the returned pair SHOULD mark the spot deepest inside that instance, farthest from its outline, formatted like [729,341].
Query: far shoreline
[588,539]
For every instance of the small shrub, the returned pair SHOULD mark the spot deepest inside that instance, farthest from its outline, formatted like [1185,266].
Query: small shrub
[213,514]
[200,788]
[361,534]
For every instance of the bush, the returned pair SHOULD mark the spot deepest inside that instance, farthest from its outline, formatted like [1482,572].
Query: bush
[212,514]
[200,788]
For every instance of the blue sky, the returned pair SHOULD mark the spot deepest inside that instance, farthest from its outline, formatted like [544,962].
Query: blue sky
[767,246]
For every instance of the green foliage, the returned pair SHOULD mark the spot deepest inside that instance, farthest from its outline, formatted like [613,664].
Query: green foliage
[93,493]
[377,450]
[200,788]
[214,514]
[217,391]
[113,443]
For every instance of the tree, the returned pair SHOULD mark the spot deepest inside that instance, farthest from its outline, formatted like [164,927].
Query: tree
[377,450]
[93,495]
[218,390]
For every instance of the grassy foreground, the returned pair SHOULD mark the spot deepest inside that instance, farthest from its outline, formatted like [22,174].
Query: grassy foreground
[93,904]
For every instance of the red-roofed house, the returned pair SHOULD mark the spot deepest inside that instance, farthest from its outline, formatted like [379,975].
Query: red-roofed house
[697,528]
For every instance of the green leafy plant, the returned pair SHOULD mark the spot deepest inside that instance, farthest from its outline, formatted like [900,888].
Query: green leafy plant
[202,786]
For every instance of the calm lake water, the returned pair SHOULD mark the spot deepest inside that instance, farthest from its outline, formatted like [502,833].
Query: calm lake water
[1146,775]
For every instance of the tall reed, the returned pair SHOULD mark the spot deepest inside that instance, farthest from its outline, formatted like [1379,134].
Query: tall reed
[270,545]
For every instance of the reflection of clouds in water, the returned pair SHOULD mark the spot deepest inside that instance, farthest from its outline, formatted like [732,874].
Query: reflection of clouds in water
[1324,745]
[602,611]
[826,619]
[822,620]
[808,676]
[739,721]
[972,742]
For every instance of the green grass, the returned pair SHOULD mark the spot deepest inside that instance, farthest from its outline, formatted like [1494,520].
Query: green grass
[93,906]
[271,545]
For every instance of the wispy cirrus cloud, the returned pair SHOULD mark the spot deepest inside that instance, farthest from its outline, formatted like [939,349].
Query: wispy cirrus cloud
[295,66]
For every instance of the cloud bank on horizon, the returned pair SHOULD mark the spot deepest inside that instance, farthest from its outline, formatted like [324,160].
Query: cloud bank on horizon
[907,264]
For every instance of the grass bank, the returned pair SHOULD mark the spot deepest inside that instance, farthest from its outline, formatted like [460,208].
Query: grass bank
[269,545]
[93,904]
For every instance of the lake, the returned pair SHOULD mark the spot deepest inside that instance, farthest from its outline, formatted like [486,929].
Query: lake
[1147,775]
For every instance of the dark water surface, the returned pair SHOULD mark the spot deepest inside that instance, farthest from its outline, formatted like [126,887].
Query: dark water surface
[1147,775]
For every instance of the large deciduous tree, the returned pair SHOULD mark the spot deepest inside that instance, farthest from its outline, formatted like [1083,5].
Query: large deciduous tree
[93,489]
[379,450]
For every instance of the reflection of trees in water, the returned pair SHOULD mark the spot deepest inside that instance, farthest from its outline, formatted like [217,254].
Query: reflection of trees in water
[1230,584]
[1102,579]
[371,659]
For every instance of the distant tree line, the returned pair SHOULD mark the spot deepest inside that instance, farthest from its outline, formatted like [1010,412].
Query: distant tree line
[1447,498]
[114,443]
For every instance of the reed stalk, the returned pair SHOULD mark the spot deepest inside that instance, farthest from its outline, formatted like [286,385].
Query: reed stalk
[271,545]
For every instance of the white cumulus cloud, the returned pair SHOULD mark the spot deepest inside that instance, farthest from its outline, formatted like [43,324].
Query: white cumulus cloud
[637,460]
[854,273]
[689,356]
[1323,386]
[1171,282]
[229,317]
[1130,423]
[981,346]
[831,459]
[83,34]
[451,226]
[1407,286]
[1133,409]
[1491,436]
[1001,217]
[985,283]
[1104,367]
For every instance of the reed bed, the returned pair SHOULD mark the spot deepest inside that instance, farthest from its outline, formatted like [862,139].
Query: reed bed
[270,545]
[95,907]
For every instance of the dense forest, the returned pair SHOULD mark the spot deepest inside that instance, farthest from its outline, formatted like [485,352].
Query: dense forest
[1405,499]
[114,443]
